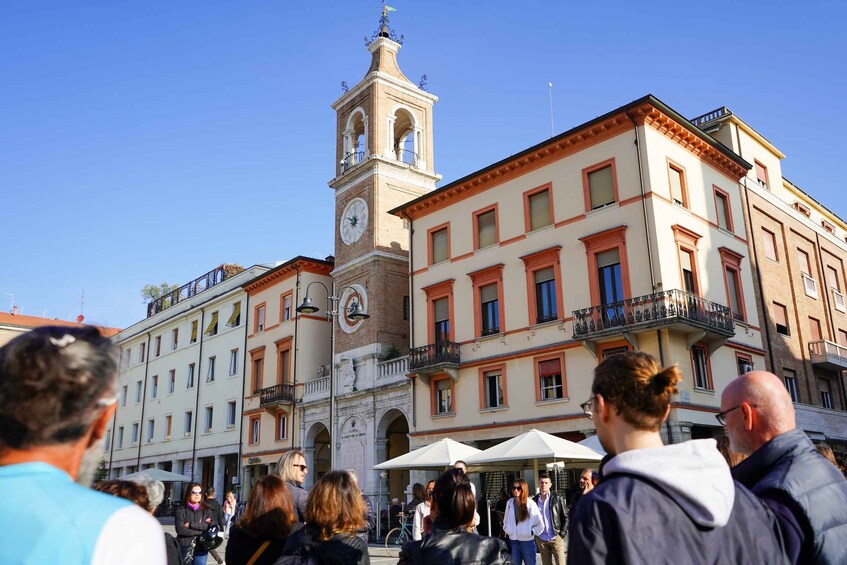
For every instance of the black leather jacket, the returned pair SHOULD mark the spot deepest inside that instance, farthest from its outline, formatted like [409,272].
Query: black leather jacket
[443,545]
[559,513]
[196,520]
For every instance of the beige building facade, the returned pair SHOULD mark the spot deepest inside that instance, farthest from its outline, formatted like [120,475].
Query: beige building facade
[624,233]
[286,353]
[181,383]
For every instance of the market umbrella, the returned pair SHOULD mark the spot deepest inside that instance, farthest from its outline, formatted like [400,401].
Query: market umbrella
[438,455]
[157,475]
[532,449]
[594,443]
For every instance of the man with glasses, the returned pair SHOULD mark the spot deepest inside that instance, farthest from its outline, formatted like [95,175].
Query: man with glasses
[806,493]
[57,397]
[292,469]
[551,542]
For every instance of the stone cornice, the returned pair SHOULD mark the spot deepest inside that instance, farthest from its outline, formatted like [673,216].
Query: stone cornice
[682,135]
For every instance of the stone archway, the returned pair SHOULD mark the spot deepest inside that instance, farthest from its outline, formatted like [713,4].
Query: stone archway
[316,449]
[392,440]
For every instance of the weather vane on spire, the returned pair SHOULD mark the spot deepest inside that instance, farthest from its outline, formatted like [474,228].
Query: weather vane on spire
[384,30]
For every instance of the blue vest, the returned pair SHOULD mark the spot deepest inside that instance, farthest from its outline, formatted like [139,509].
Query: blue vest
[48,518]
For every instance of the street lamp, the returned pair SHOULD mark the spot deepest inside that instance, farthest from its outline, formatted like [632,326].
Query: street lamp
[356,312]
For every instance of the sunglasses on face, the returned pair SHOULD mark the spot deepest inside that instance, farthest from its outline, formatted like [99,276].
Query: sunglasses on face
[302,467]
[517,487]
[196,492]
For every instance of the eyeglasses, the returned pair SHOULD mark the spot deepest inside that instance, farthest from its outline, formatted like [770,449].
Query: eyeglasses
[721,416]
[302,467]
[588,407]
[196,492]
[517,487]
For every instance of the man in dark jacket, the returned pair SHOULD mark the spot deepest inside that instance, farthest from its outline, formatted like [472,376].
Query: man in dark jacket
[551,542]
[585,486]
[213,503]
[806,493]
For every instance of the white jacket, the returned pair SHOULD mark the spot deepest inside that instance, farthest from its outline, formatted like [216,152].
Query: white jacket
[525,530]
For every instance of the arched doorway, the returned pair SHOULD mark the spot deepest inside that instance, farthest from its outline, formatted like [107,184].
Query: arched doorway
[317,452]
[393,430]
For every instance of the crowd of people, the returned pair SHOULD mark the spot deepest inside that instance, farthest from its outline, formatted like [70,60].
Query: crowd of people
[765,495]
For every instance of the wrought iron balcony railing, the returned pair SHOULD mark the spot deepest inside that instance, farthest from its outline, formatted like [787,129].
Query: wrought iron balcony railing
[214,277]
[651,310]
[276,394]
[441,353]
[351,160]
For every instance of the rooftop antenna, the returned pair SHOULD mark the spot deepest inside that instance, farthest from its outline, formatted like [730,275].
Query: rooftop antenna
[550,89]
[80,318]
[11,301]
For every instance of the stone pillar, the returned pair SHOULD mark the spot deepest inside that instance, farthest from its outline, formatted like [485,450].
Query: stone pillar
[218,480]
[381,484]
[309,452]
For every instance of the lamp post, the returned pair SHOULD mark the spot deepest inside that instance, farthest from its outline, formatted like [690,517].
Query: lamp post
[356,312]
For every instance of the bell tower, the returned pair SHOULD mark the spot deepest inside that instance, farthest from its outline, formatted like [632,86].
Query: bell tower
[384,158]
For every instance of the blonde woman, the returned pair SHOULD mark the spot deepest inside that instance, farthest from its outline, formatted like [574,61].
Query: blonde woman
[230,504]
[523,521]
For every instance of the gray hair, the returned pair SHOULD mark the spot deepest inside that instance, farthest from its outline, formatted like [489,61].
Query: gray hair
[155,492]
[285,466]
[54,382]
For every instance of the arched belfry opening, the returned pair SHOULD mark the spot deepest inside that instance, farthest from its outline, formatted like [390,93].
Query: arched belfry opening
[405,137]
[355,139]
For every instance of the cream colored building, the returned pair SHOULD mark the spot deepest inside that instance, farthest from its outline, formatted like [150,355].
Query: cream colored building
[626,232]
[181,383]
[799,251]
[286,352]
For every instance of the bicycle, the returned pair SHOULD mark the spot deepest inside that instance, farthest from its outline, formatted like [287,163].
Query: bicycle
[396,537]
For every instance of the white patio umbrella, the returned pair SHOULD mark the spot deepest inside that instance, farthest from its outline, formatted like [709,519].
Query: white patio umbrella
[594,443]
[438,455]
[534,448]
[157,475]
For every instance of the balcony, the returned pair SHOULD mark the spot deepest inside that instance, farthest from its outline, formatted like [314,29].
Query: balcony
[317,389]
[273,396]
[828,355]
[351,160]
[676,310]
[392,371]
[441,357]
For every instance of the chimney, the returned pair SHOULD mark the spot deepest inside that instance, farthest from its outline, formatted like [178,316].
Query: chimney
[14,310]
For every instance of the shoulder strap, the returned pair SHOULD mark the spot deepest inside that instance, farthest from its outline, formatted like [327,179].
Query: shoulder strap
[259,551]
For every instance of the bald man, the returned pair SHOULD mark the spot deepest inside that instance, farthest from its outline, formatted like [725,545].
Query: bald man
[804,490]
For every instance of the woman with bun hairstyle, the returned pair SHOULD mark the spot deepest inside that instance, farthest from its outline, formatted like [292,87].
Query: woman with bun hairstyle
[522,522]
[656,503]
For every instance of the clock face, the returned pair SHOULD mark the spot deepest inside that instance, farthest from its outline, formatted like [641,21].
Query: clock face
[354,220]
[352,295]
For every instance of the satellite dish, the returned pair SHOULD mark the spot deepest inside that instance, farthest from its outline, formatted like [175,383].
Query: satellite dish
[80,318]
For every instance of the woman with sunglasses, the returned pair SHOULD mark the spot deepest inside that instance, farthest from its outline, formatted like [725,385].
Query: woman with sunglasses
[191,519]
[422,510]
[522,522]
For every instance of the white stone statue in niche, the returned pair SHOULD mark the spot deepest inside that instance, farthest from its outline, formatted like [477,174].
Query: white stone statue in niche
[347,372]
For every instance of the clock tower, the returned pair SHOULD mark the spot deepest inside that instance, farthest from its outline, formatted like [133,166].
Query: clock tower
[383,158]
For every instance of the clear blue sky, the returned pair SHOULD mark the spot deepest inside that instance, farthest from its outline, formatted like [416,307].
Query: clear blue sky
[151,141]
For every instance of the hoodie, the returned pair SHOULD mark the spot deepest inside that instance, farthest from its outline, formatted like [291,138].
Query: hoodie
[673,504]
[693,473]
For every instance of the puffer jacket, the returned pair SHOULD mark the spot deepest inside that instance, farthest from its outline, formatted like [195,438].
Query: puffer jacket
[196,522]
[340,549]
[456,547]
[807,493]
